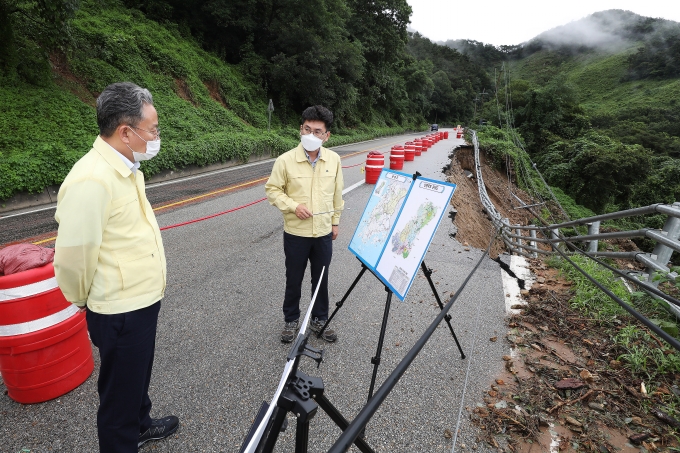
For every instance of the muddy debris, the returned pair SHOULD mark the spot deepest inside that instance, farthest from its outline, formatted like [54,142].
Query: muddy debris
[563,385]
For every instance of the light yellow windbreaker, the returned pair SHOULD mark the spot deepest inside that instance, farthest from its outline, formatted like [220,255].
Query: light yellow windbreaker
[109,253]
[293,181]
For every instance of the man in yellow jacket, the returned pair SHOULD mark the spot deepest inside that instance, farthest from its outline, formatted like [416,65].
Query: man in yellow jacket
[306,185]
[109,258]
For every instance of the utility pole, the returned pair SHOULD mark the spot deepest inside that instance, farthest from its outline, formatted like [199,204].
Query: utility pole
[270,109]
[481,100]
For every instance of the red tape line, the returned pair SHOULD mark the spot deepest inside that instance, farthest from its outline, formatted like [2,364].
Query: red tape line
[350,166]
[213,215]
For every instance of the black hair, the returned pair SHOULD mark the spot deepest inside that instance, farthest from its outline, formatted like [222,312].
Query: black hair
[318,113]
[121,103]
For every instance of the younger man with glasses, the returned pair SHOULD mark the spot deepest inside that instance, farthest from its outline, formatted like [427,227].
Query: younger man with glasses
[306,185]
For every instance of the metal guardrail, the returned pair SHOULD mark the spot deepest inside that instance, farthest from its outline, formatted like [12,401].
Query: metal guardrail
[666,239]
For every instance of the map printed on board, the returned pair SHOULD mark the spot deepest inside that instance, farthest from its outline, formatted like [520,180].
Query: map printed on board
[412,233]
[379,216]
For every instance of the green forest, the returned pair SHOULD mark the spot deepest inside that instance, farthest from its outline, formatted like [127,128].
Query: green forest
[599,119]
[212,66]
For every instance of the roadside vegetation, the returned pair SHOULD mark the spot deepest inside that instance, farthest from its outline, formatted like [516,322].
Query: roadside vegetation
[212,68]
[601,119]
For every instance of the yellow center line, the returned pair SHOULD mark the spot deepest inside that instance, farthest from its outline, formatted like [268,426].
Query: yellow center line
[226,189]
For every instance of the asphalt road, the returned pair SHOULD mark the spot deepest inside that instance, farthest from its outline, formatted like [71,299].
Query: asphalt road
[219,354]
[38,222]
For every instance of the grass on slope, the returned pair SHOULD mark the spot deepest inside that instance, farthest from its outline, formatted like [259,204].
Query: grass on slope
[208,112]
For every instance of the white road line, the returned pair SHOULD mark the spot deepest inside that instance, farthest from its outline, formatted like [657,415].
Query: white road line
[353,186]
[29,212]
[188,178]
[209,173]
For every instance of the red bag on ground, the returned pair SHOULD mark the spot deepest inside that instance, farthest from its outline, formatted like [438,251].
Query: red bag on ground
[22,257]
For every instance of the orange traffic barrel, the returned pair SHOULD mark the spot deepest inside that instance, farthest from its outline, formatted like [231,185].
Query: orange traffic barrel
[459,134]
[409,151]
[375,162]
[397,157]
[45,351]
[446,135]
[418,147]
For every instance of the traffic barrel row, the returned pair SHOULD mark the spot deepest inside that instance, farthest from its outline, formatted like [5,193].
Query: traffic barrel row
[375,161]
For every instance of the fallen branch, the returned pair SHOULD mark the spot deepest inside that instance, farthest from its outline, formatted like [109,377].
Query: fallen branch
[664,417]
[496,411]
[628,389]
[569,403]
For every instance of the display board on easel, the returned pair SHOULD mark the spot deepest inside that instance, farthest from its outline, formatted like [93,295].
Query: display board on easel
[397,226]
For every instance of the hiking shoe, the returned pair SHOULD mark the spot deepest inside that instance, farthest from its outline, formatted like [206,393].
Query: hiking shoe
[160,429]
[289,329]
[329,334]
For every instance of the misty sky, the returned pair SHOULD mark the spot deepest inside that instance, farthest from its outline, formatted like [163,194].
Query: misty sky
[513,22]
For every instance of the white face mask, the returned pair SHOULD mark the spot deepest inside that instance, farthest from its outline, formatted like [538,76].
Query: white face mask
[310,142]
[152,148]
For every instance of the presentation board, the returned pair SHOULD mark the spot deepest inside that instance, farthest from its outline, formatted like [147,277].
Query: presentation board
[397,226]
[379,216]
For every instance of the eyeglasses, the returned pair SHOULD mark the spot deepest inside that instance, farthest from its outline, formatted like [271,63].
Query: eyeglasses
[318,133]
[156,133]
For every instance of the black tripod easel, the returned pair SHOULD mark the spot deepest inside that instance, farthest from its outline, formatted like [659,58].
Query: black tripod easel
[302,395]
[376,359]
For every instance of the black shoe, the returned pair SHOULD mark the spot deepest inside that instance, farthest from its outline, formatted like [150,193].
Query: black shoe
[160,429]
[289,329]
[329,334]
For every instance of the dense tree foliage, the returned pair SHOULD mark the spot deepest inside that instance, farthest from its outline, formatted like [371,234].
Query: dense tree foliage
[659,58]
[351,55]
[356,57]
[29,30]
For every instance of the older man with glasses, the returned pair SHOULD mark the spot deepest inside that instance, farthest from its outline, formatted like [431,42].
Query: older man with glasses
[109,259]
[306,185]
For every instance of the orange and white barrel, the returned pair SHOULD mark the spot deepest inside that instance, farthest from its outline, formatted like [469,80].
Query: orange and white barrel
[45,351]
[375,162]
[397,157]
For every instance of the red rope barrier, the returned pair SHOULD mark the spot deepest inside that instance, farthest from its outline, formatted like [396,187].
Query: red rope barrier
[231,210]
[350,166]
[213,215]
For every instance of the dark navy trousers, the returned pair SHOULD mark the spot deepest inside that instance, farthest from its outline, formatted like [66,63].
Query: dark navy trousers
[126,344]
[298,250]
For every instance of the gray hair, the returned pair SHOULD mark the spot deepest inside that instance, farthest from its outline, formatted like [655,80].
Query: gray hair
[121,103]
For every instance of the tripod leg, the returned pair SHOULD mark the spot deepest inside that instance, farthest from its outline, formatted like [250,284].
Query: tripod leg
[447,318]
[271,434]
[302,436]
[376,360]
[342,301]
[339,420]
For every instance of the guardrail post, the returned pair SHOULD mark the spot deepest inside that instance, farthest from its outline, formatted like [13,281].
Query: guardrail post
[518,232]
[555,236]
[532,234]
[662,253]
[593,228]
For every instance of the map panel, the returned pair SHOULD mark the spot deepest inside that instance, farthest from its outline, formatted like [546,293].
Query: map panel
[379,216]
[412,233]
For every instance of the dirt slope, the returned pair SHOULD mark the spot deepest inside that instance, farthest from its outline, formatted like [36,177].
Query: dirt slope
[474,226]
[563,389]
